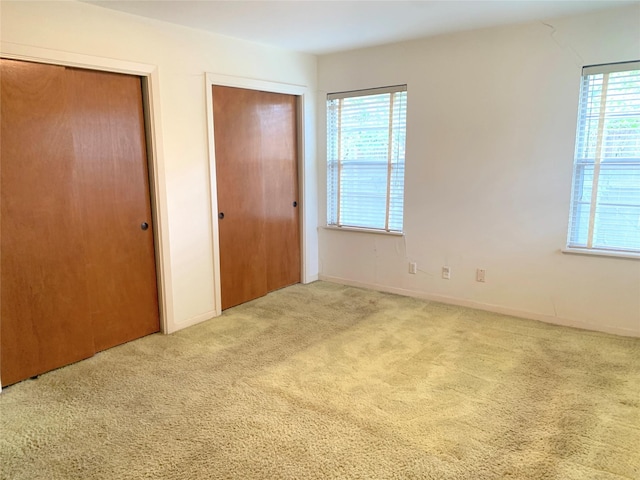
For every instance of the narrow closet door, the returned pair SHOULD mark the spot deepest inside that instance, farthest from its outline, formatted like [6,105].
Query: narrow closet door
[44,314]
[280,166]
[109,137]
[241,203]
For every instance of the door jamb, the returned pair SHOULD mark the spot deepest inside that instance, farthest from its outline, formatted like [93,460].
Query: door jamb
[304,98]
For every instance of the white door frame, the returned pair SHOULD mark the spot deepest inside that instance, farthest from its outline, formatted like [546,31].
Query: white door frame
[304,100]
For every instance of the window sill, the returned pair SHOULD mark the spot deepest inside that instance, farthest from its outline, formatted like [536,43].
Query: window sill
[601,253]
[364,230]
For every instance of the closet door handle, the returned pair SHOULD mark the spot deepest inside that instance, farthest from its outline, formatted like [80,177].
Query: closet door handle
[295,204]
[221,215]
[144,225]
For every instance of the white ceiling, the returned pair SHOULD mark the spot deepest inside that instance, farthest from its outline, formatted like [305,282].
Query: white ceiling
[321,27]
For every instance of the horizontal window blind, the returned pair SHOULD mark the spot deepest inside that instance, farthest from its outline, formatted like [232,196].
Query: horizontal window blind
[605,201]
[366,133]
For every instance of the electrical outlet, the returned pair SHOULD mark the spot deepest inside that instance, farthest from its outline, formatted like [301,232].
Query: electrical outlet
[413,267]
[446,273]
[480,275]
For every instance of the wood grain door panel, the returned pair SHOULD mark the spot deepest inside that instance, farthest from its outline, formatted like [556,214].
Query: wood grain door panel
[239,171]
[108,126]
[45,319]
[280,167]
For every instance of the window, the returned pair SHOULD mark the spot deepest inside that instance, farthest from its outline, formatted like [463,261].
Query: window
[605,201]
[365,157]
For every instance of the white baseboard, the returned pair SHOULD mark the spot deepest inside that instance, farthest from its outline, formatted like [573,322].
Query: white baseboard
[310,279]
[172,328]
[192,321]
[462,302]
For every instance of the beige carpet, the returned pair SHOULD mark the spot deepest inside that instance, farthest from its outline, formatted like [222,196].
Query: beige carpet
[326,381]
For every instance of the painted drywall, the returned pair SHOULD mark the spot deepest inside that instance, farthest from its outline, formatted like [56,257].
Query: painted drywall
[491,123]
[181,56]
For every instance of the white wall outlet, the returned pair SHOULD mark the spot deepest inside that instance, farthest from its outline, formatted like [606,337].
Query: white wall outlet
[413,267]
[446,273]
[480,275]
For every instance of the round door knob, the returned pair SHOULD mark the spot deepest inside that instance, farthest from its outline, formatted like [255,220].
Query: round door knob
[295,204]
[144,225]
[221,215]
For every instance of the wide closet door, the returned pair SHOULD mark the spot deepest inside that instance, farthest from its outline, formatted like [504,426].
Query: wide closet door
[77,269]
[257,181]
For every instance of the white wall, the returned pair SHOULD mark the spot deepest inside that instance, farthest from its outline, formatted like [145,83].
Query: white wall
[180,57]
[490,139]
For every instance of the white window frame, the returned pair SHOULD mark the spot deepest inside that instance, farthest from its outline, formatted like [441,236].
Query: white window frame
[591,154]
[395,163]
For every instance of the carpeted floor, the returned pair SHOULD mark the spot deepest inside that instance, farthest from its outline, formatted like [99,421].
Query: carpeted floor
[326,381]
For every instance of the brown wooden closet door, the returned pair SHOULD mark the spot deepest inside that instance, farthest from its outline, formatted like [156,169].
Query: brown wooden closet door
[44,310]
[239,175]
[256,168]
[77,270]
[280,166]
[109,137]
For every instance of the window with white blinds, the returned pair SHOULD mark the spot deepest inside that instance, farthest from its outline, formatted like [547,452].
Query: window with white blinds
[366,133]
[605,200]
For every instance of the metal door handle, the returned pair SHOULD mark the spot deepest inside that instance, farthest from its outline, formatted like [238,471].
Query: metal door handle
[295,204]
[221,215]
[144,225]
